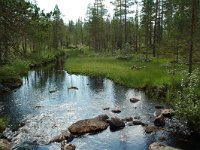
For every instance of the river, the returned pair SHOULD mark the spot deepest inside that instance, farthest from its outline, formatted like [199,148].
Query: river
[47,106]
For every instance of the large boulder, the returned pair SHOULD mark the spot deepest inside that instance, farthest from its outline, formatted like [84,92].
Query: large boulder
[116,124]
[66,135]
[158,146]
[4,144]
[89,125]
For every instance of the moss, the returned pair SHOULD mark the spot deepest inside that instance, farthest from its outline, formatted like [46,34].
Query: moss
[3,123]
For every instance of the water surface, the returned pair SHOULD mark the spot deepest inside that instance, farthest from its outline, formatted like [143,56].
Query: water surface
[47,106]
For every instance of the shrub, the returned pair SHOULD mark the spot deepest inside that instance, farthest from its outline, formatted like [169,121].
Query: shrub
[188,103]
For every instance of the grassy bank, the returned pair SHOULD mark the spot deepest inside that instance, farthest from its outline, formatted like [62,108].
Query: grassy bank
[132,72]
[20,66]
[160,78]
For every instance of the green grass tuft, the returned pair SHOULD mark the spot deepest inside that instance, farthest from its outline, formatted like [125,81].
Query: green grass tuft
[131,72]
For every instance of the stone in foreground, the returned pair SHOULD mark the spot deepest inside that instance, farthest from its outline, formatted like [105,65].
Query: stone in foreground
[89,125]
[4,144]
[158,146]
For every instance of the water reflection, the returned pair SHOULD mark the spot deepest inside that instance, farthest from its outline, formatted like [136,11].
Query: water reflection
[48,105]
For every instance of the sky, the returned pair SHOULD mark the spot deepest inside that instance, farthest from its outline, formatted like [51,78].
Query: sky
[71,9]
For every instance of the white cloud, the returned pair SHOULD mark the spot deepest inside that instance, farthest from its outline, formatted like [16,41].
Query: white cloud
[71,9]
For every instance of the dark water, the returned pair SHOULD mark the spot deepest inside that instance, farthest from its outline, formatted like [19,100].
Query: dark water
[46,113]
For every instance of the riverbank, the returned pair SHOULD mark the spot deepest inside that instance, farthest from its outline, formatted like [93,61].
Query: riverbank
[161,79]
[155,77]
[10,74]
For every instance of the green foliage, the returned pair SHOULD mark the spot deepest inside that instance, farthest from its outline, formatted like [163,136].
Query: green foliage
[14,69]
[122,71]
[188,102]
[3,123]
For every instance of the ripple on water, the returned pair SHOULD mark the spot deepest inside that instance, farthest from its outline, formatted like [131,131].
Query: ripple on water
[47,114]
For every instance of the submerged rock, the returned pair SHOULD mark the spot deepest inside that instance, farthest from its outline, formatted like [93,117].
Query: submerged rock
[116,110]
[116,124]
[68,147]
[73,88]
[66,135]
[4,144]
[159,121]
[106,108]
[137,117]
[158,146]
[134,100]
[89,125]
[127,119]
[52,91]
[136,122]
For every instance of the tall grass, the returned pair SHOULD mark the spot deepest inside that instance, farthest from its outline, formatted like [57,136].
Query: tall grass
[131,73]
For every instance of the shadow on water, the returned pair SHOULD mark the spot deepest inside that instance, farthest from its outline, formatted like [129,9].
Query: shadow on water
[47,105]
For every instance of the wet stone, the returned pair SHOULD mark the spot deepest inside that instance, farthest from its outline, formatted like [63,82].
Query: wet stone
[127,119]
[134,100]
[116,110]
[136,122]
[68,147]
[116,124]
[89,125]
[65,135]
[168,113]
[151,128]
[159,121]
[158,146]
[106,108]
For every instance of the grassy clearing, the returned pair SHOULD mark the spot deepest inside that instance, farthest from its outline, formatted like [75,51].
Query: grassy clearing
[132,73]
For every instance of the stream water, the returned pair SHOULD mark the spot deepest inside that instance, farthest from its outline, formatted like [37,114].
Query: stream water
[47,106]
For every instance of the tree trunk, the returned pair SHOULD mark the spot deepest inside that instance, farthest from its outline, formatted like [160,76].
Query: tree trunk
[155,30]
[125,23]
[191,36]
